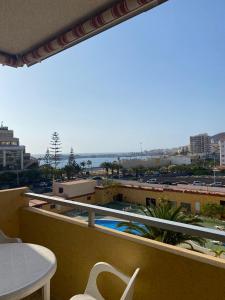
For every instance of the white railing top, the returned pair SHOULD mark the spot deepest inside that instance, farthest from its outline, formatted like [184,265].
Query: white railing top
[154,222]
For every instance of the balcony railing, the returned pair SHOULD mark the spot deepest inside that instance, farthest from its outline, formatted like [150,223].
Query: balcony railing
[154,222]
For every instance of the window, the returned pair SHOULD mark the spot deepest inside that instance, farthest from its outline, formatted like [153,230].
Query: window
[186,207]
[60,190]
[52,206]
[89,198]
[118,197]
[222,202]
[173,203]
[150,202]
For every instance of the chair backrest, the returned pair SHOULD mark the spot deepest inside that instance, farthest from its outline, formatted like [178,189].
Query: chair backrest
[129,291]
[100,267]
[5,239]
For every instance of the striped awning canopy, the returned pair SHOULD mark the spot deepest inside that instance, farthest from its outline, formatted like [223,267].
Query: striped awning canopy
[31,30]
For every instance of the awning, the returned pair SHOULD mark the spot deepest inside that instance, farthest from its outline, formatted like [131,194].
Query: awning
[29,33]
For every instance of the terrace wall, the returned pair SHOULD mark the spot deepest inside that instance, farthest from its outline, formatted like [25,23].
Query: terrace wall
[11,201]
[167,272]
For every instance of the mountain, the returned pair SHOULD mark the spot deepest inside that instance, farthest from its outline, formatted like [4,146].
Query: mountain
[217,137]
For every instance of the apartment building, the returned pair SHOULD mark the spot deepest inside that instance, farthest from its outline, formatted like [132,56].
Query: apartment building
[200,144]
[13,156]
[222,152]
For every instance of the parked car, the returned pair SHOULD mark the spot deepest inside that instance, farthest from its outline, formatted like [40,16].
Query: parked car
[152,180]
[198,183]
[97,178]
[167,182]
[182,182]
[217,184]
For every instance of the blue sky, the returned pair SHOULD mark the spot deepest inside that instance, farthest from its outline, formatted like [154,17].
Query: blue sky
[157,79]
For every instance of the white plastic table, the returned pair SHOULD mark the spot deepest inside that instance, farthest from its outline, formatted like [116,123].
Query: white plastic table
[25,268]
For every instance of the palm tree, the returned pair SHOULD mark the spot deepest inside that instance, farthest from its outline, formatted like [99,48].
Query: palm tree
[218,252]
[83,164]
[106,165]
[89,163]
[114,166]
[164,210]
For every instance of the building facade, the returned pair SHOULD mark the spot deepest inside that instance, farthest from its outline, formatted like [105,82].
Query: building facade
[156,162]
[12,155]
[200,144]
[222,153]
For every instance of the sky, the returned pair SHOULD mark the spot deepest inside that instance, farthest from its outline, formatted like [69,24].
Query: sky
[155,79]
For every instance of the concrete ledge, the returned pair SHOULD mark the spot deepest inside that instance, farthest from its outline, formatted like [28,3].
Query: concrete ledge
[167,272]
[203,258]
[11,201]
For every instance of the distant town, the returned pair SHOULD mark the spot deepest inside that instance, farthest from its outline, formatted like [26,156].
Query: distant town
[204,155]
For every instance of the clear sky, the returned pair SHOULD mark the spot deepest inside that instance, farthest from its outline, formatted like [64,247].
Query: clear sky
[157,79]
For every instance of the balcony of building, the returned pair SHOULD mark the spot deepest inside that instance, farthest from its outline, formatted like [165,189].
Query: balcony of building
[167,272]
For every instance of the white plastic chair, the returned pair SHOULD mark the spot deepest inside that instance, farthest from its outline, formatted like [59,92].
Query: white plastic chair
[5,239]
[92,293]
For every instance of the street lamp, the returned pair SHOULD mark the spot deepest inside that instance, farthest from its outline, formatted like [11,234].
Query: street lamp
[118,167]
[214,170]
[141,149]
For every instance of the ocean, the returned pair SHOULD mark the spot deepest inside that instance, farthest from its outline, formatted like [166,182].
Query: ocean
[96,161]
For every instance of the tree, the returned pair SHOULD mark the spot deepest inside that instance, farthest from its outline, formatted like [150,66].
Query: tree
[106,165]
[115,166]
[166,211]
[83,164]
[72,168]
[47,158]
[89,163]
[213,210]
[71,159]
[139,170]
[55,149]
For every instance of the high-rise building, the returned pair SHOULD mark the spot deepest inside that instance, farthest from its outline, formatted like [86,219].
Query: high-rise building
[200,144]
[222,152]
[12,155]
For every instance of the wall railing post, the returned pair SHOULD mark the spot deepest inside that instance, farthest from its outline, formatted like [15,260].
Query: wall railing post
[91,218]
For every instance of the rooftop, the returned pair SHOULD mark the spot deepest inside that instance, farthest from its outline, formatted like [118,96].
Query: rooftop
[78,181]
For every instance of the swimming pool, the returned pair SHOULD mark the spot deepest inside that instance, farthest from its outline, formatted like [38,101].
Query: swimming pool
[113,225]
[110,224]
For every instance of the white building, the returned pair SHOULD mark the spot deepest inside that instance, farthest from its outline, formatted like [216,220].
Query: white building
[180,160]
[155,162]
[12,155]
[222,152]
[74,189]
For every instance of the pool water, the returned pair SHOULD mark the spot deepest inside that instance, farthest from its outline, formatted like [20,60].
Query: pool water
[110,224]
[113,225]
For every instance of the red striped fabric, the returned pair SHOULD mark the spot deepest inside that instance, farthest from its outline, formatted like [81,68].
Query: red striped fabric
[117,11]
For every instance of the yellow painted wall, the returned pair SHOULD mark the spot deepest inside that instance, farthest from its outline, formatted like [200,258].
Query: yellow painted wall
[165,273]
[139,195]
[105,195]
[89,199]
[10,203]
[101,196]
